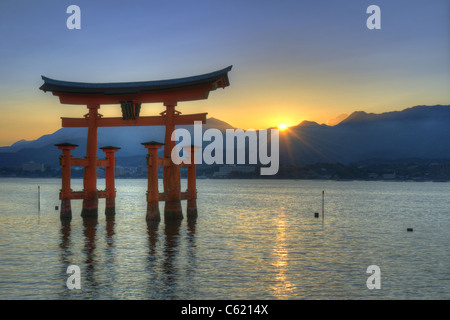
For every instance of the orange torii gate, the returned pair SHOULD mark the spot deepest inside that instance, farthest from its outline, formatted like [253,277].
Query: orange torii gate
[130,96]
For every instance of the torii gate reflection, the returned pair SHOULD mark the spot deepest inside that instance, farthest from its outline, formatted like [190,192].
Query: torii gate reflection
[130,96]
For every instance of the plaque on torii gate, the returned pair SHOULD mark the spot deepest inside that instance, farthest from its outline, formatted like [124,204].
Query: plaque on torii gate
[130,96]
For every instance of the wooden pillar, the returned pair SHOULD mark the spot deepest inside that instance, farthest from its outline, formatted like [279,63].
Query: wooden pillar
[90,201]
[192,183]
[110,208]
[66,191]
[171,178]
[152,183]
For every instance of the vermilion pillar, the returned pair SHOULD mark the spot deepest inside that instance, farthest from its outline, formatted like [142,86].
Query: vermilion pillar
[171,179]
[110,209]
[90,201]
[66,191]
[152,189]
[192,185]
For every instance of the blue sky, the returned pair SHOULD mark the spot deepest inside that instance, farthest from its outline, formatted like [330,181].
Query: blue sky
[292,60]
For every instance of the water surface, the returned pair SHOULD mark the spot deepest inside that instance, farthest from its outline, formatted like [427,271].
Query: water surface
[253,239]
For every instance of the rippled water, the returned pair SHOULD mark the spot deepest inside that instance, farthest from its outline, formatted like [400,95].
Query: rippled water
[253,239]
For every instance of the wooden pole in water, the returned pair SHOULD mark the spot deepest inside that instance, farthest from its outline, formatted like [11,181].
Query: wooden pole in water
[323,196]
[39,198]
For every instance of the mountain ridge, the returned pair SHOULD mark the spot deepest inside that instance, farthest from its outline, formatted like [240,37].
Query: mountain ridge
[415,132]
[408,113]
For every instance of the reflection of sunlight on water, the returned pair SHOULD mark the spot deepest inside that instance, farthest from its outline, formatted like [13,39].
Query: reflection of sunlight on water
[282,287]
[254,239]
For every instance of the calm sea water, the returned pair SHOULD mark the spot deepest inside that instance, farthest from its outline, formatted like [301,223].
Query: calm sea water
[253,239]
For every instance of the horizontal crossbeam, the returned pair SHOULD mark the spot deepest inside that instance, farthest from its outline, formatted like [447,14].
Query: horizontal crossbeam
[79,195]
[78,162]
[139,121]
[104,193]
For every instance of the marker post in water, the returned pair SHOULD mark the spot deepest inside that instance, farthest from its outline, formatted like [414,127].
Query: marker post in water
[39,198]
[323,201]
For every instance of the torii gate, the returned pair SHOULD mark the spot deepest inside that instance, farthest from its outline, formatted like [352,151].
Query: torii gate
[130,95]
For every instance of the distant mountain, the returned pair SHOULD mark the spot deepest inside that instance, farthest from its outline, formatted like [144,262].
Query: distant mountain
[129,139]
[417,132]
[418,113]
[218,124]
[337,120]
[306,123]
[421,132]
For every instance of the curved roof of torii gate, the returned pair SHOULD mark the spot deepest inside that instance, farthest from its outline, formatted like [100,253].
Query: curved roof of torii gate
[180,89]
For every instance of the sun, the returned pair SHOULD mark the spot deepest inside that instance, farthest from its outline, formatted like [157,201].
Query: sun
[282,127]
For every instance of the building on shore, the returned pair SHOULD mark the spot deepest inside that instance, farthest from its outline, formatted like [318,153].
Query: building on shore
[32,166]
[440,171]
[225,171]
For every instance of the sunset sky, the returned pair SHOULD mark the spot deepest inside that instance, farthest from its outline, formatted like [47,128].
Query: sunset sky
[293,60]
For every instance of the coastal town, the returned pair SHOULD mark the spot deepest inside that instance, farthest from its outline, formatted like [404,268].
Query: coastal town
[401,170]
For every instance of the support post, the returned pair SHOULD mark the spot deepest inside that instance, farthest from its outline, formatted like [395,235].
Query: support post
[110,204]
[152,186]
[171,178]
[90,201]
[192,184]
[66,191]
